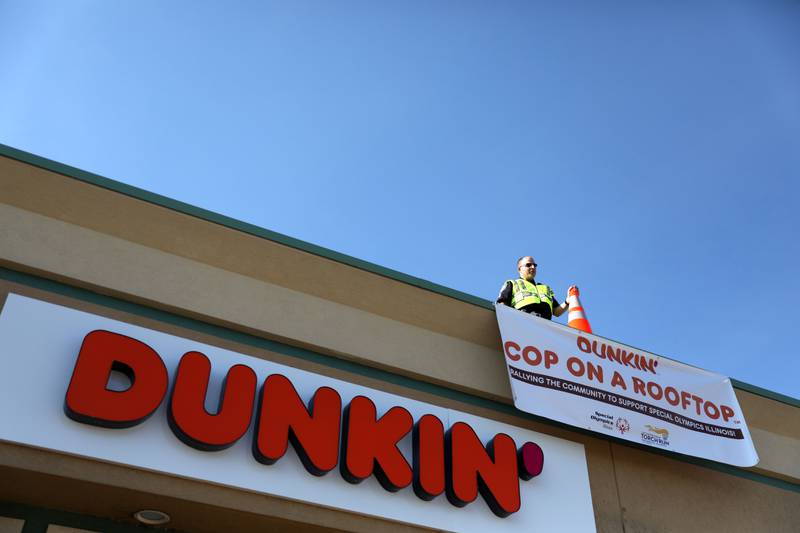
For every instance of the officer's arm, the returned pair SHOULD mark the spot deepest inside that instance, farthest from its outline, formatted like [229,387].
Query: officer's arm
[559,309]
[505,294]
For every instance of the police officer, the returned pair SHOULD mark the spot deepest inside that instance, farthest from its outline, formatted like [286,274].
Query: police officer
[527,295]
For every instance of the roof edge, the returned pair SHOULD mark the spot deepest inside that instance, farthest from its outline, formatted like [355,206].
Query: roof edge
[257,231]
[252,229]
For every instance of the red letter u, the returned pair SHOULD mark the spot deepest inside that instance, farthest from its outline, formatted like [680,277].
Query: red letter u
[188,417]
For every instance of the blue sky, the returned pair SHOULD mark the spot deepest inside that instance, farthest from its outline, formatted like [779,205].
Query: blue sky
[647,151]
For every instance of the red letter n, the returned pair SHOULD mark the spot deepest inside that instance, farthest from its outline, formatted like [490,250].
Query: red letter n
[492,471]
[283,418]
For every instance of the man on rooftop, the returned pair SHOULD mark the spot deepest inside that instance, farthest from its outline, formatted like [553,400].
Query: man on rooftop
[529,296]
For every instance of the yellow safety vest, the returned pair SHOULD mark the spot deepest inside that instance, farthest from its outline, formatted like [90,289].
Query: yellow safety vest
[526,293]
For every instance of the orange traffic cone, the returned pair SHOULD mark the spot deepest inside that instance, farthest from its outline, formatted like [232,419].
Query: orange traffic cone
[577,318]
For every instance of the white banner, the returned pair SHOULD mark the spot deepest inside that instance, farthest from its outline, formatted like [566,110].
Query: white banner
[593,383]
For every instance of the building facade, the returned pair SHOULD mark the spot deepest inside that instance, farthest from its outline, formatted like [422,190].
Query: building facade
[80,250]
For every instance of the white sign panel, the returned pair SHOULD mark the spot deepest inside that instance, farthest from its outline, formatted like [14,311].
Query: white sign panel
[41,343]
[593,383]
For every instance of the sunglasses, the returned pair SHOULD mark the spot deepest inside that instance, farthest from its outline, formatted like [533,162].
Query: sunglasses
[530,265]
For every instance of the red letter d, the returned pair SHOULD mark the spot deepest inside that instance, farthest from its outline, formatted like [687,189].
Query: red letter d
[88,398]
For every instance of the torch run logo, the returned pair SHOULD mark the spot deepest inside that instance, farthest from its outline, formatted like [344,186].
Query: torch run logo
[324,434]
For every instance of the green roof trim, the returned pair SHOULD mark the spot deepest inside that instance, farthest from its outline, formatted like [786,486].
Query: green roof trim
[216,218]
[766,393]
[361,370]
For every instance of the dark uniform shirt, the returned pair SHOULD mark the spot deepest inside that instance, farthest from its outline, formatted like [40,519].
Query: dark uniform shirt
[541,309]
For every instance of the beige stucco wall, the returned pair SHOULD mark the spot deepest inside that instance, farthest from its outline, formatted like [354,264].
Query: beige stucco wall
[60,228]
[10,525]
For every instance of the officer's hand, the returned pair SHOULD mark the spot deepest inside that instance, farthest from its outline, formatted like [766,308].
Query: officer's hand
[570,290]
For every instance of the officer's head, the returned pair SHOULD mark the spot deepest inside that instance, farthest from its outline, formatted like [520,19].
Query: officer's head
[526,267]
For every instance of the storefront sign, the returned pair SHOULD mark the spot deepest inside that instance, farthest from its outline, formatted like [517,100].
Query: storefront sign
[95,387]
[593,383]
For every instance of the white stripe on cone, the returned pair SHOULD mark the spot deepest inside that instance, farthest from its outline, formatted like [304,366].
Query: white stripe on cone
[577,315]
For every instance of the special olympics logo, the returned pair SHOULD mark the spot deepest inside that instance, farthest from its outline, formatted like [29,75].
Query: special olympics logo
[623,426]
